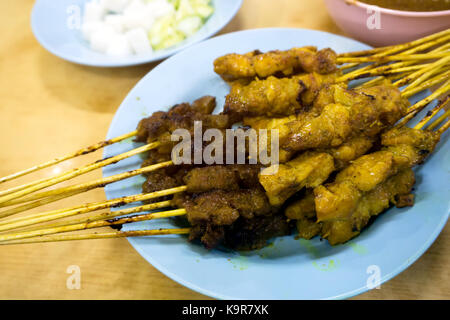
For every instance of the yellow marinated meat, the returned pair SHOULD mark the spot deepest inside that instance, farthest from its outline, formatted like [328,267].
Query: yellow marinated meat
[365,111]
[258,123]
[350,150]
[232,67]
[406,147]
[306,171]
[303,211]
[342,154]
[371,204]
[275,97]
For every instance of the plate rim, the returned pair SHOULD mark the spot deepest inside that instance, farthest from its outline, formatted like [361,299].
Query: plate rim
[401,267]
[118,64]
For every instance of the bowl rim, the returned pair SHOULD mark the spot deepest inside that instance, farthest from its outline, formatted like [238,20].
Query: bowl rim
[402,13]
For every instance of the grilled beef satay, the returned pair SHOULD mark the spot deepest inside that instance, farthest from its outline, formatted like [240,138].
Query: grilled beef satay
[234,66]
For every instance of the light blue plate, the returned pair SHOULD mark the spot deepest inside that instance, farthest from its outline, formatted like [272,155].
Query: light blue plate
[53,26]
[289,269]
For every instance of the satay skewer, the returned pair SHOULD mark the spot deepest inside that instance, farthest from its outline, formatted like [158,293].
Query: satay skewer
[57,194]
[43,235]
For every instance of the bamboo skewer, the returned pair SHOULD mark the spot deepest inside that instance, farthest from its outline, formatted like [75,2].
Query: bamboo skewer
[83,187]
[100,216]
[445,127]
[432,113]
[439,120]
[430,71]
[104,162]
[409,92]
[63,213]
[423,74]
[104,235]
[77,172]
[96,224]
[422,103]
[354,74]
[415,109]
[422,45]
[396,48]
[426,56]
[35,204]
[80,152]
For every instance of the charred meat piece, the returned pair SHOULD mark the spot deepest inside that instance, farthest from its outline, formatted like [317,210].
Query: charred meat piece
[224,207]
[210,212]
[253,234]
[222,177]
[160,125]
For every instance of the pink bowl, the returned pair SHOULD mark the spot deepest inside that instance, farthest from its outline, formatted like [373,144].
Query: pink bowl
[381,27]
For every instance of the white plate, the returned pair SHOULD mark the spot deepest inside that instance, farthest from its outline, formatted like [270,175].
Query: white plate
[52,23]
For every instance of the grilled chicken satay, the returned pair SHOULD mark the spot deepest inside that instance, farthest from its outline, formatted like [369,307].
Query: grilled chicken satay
[365,111]
[308,170]
[274,97]
[234,66]
[395,190]
[351,149]
[404,148]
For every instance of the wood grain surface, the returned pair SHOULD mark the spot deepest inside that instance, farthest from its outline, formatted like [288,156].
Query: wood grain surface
[50,107]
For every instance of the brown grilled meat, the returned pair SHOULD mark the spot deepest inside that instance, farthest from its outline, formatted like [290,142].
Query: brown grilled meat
[210,212]
[160,125]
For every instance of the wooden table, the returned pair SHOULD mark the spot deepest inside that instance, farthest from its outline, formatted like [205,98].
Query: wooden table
[50,107]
